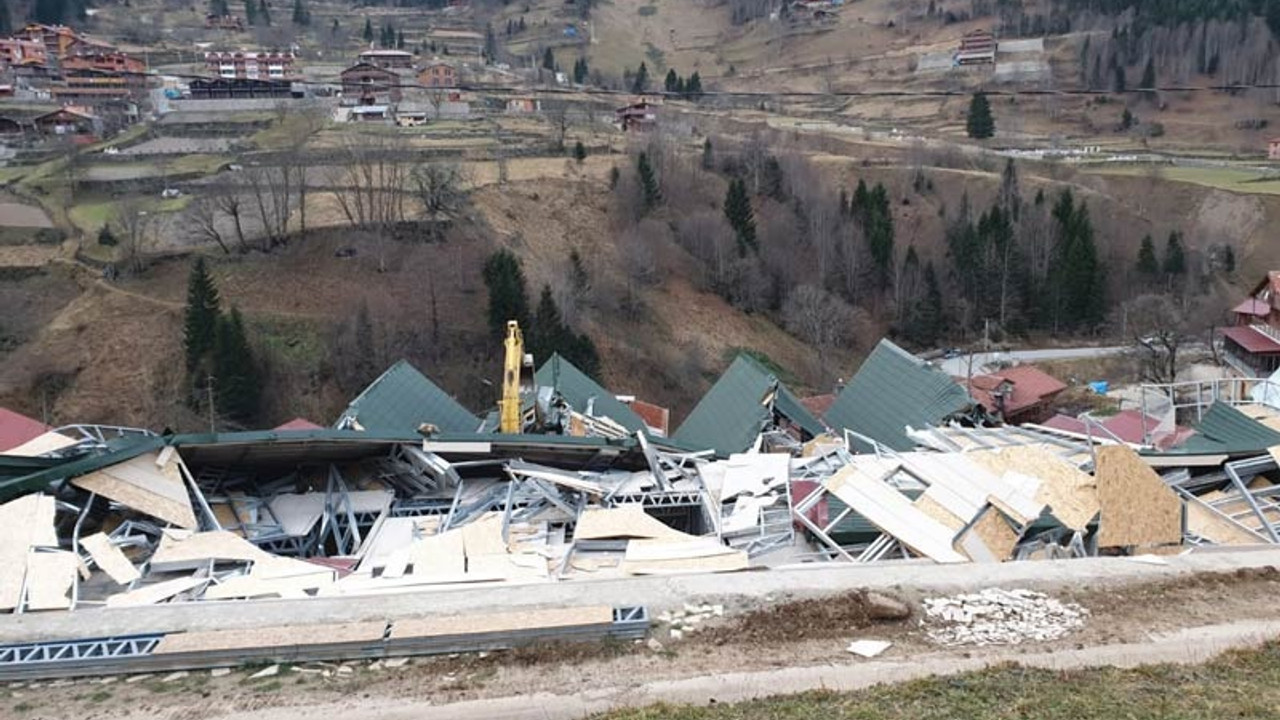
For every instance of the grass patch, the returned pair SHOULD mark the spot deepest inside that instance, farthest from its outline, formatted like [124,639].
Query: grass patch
[648,11]
[293,343]
[100,696]
[271,686]
[89,217]
[1230,179]
[23,707]
[1242,684]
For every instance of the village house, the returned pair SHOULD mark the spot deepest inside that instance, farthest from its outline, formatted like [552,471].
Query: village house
[640,115]
[251,65]
[113,61]
[1016,395]
[438,73]
[365,84]
[239,88]
[75,122]
[523,105]
[223,22]
[1251,345]
[19,52]
[388,59]
[977,47]
[93,87]
[1273,149]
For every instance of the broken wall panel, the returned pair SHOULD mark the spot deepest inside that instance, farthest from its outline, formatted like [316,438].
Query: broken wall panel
[148,483]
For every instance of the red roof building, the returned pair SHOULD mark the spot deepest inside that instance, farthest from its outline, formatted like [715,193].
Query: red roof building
[16,429]
[1252,345]
[1129,426]
[298,424]
[1017,394]
[818,405]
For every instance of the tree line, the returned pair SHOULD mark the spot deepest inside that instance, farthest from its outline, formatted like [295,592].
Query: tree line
[220,362]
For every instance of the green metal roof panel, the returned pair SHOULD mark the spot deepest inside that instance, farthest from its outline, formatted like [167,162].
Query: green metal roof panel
[402,399]
[1225,430]
[579,389]
[730,416]
[894,389]
[16,487]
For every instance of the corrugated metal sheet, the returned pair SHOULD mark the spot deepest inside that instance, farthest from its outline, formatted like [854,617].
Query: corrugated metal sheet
[402,399]
[894,389]
[731,414]
[579,390]
[1225,430]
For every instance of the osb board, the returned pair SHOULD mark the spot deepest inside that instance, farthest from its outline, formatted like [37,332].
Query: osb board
[502,622]
[248,586]
[441,554]
[24,523]
[994,538]
[181,549]
[145,485]
[110,559]
[627,521]
[1069,492]
[368,632]
[732,562]
[1211,526]
[49,579]
[1137,508]
[484,536]
[927,505]
[152,594]
[513,567]
[645,550]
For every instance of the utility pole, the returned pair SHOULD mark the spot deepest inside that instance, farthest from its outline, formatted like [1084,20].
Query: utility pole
[212,413]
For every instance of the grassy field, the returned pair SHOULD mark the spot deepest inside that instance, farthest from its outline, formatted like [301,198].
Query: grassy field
[89,217]
[1243,684]
[1233,180]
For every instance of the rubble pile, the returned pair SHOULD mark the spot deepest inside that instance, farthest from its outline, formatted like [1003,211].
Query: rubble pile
[1000,617]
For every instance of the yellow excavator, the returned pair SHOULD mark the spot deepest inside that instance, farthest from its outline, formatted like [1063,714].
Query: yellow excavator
[514,377]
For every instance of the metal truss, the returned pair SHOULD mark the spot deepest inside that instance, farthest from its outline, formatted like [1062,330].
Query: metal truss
[62,651]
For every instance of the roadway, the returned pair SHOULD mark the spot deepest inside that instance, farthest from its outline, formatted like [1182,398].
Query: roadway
[959,366]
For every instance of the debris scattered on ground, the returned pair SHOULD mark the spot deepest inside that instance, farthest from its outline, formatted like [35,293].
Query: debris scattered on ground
[868,648]
[1000,617]
[266,672]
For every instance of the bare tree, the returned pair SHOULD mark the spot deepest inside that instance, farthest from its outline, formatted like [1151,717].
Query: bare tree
[1158,327]
[441,188]
[230,203]
[558,115]
[134,224]
[819,318]
[203,215]
[368,184]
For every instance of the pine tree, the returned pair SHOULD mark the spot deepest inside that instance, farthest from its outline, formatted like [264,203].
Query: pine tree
[708,158]
[400,40]
[106,238]
[237,384]
[491,41]
[1117,74]
[201,316]
[928,320]
[6,20]
[980,124]
[250,12]
[508,299]
[693,88]
[548,60]
[1126,119]
[264,13]
[579,152]
[1228,259]
[671,81]
[580,71]
[737,210]
[216,7]
[648,183]
[877,226]
[368,30]
[1175,258]
[1147,266]
[641,82]
[301,16]
[1079,289]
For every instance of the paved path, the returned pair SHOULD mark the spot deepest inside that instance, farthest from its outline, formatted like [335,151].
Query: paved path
[1187,646]
[655,592]
[959,366]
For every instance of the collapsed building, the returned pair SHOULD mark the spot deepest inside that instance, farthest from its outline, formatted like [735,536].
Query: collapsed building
[408,490]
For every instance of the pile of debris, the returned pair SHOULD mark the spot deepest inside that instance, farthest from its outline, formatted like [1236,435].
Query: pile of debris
[999,617]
